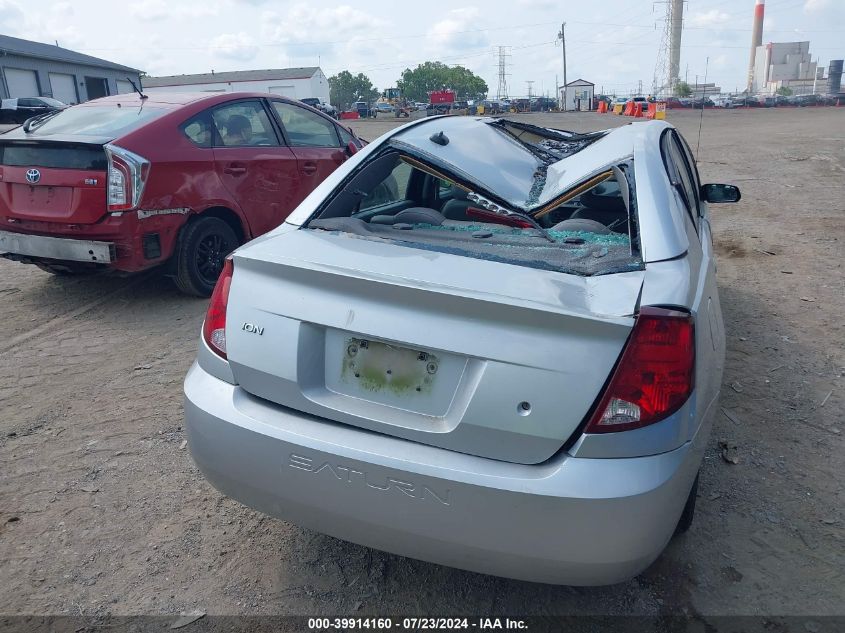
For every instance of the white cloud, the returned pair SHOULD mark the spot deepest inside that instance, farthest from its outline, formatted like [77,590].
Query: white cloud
[10,14]
[235,46]
[713,17]
[160,10]
[323,33]
[816,6]
[543,5]
[456,31]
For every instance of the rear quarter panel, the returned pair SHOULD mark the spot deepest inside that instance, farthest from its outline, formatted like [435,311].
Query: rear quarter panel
[182,175]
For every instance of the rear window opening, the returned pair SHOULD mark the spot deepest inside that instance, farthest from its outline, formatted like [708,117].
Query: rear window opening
[53,155]
[589,230]
[100,121]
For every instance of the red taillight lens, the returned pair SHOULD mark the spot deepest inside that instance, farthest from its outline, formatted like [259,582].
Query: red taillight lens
[126,177]
[654,376]
[214,326]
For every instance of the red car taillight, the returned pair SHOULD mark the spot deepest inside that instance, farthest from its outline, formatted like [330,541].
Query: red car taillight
[127,175]
[214,326]
[655,375]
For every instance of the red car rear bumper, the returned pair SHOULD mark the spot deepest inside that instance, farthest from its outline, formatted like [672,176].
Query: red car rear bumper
[139,243]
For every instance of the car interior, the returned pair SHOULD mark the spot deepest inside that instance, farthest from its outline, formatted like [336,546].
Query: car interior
[394,190]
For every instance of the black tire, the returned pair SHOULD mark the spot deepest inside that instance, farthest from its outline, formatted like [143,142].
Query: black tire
[70,269]
[685,522]
[200,253]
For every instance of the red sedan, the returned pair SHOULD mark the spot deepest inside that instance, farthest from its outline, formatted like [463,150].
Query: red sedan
[130,182]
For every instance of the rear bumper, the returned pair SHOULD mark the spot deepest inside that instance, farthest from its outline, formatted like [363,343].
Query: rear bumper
[567,521]
[121,235]
[64,249]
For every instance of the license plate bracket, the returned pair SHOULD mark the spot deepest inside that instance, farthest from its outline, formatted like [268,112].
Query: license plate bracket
[384,367]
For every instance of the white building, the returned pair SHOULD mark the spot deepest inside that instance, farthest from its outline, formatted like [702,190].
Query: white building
[577,95]
[784,64]
[296,83]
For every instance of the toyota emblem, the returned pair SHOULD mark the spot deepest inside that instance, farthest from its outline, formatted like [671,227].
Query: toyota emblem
[33,176]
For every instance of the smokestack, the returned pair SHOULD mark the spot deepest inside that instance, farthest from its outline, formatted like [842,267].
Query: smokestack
[676,27]
[756,39]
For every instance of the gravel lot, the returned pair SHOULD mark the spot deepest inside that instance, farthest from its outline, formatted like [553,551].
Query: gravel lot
[103,511]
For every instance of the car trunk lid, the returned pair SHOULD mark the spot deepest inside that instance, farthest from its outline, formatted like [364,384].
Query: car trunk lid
[52,181]
[476,356]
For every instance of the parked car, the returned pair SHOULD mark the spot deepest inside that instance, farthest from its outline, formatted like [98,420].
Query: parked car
[127,183]
[806,100]
[20,109]
[674,103]
[364,109]
[543,104]
[476,372]
[383,108]
[314,102]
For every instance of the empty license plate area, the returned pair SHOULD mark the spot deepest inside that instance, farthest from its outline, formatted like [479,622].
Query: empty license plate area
[416,380]
[378,366]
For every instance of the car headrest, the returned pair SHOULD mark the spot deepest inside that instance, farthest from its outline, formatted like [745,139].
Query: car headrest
[419,215]
[581,224]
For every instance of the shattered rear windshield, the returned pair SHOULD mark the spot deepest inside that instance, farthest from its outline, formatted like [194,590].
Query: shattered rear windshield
[402,199]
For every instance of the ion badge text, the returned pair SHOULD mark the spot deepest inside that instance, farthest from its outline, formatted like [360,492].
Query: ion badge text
[253,329]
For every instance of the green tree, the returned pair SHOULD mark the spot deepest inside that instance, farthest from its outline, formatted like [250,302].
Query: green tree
[417,83]
[346,88]
[785,91]
[683,89]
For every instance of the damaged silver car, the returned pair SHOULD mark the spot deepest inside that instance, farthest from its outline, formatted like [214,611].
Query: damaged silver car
[480,343]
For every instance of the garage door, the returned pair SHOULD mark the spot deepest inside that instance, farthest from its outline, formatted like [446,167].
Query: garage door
[124,87]
[63,87]
[21,83]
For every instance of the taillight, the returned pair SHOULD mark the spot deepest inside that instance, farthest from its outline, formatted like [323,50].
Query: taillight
[127,175]
[655,375]
[214,326]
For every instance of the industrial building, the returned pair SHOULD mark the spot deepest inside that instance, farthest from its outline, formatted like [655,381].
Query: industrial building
[34,69]
[577,95]
[296,83]
[786,65]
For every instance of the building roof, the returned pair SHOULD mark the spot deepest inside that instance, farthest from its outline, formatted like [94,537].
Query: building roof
[580,82]
[27,48]
[271,74]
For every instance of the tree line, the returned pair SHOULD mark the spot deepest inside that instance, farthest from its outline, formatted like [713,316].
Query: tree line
[346,88]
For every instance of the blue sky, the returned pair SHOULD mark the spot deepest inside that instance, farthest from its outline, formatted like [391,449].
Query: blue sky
[612,43]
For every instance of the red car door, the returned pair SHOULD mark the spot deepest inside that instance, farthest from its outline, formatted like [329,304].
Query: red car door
[313,139]
[260,173]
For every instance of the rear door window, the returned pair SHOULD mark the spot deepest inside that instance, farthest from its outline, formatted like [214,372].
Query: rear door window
[305,128]
[243,124]
[199,130]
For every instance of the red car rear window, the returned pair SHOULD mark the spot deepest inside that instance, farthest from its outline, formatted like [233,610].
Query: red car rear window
[99,120]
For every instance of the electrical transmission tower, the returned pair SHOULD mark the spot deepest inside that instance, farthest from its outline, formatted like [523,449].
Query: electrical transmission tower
[502,91]
[668,64]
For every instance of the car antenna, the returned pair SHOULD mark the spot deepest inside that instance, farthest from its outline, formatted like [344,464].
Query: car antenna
[701,118]
[136,89]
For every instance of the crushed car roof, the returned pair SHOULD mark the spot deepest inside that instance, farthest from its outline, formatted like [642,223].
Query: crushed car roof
[524,165]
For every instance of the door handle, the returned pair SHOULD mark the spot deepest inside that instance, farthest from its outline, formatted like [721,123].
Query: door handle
[309,168]
[234,170]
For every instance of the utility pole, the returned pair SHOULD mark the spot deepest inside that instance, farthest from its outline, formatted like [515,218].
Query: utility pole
[530,82]
[562,37]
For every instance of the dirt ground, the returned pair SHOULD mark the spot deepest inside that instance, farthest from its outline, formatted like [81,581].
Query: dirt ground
[103,511]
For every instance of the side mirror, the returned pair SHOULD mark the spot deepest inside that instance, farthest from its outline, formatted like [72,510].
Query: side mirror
[720,193]
[351,148]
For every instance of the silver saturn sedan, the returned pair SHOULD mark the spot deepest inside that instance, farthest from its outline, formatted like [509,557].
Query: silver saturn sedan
[480,343]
